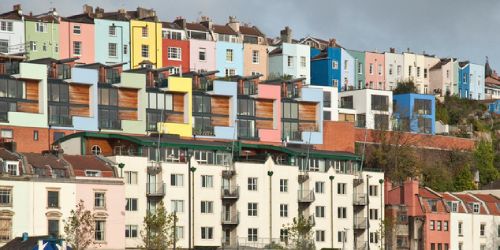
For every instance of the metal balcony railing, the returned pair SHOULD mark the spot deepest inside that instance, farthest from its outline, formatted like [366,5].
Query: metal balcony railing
[306,196]
[231,218]
[155,188]
[232,192]
[359,222]
[359,199]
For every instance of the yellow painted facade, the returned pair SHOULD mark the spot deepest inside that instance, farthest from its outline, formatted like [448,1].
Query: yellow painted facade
[147,34]
[180,85]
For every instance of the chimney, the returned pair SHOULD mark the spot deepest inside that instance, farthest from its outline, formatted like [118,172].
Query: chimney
[234,23]
[145,13]
[392,50]
[181,22]
[122,11]
[286,35]
[410,195]
[99,12]
[87,9]
[205,21]
[332,42]
[16,7]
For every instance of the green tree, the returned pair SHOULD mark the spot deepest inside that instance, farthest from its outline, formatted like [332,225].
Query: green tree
[405,88]
[484,161]
[79,227]
[464,180]
[159,230]
[300,234]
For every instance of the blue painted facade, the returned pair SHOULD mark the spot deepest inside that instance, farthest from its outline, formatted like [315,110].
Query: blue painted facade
[471,81]
[333,67]
[405,109]
[494,107]
[221,61]
[464,81]
[223,88]
[103,38]
[313,95]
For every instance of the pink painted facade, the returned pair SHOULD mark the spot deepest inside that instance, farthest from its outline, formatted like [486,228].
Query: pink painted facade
[69,36]
[113,212]
[375,70]
[268,91]
[197,47]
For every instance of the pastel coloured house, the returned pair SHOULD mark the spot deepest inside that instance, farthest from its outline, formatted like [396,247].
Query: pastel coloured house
[175,46]
[76,36]
[42,35]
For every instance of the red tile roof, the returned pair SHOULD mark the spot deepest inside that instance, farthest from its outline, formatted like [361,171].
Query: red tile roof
[224,29]
[468,200]
[491,201]
[7,155]
[11,15]
[81,163]
[42,160]
[251,31]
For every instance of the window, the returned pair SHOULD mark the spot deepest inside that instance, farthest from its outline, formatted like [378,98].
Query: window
[380,102]
[475,208]
[320,211]
[373,190]
[131,204]
[252,184]
[460,228]
[391,69]
[380,69]
[99,200]
[371,69]
[320,235]
[283,235]
[5,198]
[125,49]
[418,71]
[99,230]
[374,237]
[432,225]
[438,225]
[41,27]
[229,55]
[303,61]
[96,150]
[283,210]
[252,209]
[5,229]
[230,72]
[131,231]
[207,181]
[202,54]
[179,231]
[341,212]
[77,30]
[255,56]
[53,199]
[35,135]
[252,234]
[92,173]
[482,230]
[445,225]
[112,49]
[319,187]
[77,48]
[432,205]
[327,115]
[6,133]
[346,102]
[131,177]
[290,61]
[360,68]
[144,32]
[177,180]
[335,65]
[425,73]
[177,206]
[112,30]
[4,46]
[174,53]
[373,214]
[33,46]
[145,51]
[53,228]
[207,233]
[341,188]
[173,35]
[207,207]
[283,185]
[327,99]
[58,135]
[341,236]
[6,26]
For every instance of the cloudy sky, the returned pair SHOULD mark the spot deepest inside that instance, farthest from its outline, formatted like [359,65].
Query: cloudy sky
[459,28]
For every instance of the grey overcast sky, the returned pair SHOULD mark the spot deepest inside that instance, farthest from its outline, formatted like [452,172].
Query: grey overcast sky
[465,29]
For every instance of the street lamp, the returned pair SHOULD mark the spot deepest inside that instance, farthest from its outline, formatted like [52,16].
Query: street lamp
[368,210]
[331,177]
[382,243]
[270,174]
[121,166]
[190,196]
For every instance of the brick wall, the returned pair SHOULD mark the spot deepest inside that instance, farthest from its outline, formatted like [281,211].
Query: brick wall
[24,137]
[338,136]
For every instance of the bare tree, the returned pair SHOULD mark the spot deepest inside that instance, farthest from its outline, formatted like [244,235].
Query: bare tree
[79,227]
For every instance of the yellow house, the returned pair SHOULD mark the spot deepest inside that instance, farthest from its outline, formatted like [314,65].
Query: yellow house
[145,42]
[181,121]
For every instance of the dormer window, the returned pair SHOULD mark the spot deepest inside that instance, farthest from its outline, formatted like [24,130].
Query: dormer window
[432,205]
[475,207]
[41,27]
[453,205]
[92,173]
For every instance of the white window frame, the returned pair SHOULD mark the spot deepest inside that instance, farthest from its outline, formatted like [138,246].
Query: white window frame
[130,229]
[335,64]
[253,183]
[174,53]
[77,29]
[320,211]
[229,55]
[207,207]
[101,231]
[283,185]
[112,31]
[145,51]
[144,32]
[177,180]
[77,48]
[207,181]
[341,188]
[255,57]
[99,200]
[207,233]
[253,209]
[177,206]
[319,187]
[204,52]
[283,210]
[303,61]
[41,27]
[131,177]
[112,47]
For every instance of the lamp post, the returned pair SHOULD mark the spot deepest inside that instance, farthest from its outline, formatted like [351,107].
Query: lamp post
[270,174]
[368,209]
[331,208]
[121,166]
[382,243]
[192,170]
[189,197]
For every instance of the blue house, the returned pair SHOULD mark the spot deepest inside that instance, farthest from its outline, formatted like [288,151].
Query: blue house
[494,107]
[332,67]
[471,83]
[415,113]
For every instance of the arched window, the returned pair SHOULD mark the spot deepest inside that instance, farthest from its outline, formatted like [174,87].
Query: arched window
[96,150]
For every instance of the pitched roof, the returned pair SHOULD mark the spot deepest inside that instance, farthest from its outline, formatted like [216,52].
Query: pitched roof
[277,51]
[492,80]
[80,18]
[43,160]
[11,15]
[491,201]
[7,155]
[87,162]
[440,64]
[171,25]
[45,17]
[251,31]
[224,29]
[117,16]
[468,199]
[196,26]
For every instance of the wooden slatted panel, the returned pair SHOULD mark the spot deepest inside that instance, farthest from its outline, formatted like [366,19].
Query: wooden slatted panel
[307,111]
[264,124]
[220,105]
[127,115]
[175,118]
[31,89]
[79,111]
[310,126]
[178,102]
[346,117]
[264,108]
[127,98]
[79,94]
[27,107]
[220,121]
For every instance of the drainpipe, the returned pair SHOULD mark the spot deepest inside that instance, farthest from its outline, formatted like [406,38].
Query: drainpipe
[331,209]
[270,174]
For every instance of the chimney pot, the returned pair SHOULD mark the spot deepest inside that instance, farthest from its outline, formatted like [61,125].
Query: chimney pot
[87,9]
[16,7]
[392,50]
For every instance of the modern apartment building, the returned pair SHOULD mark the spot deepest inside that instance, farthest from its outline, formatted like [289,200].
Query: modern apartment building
[367,108]
[415,113]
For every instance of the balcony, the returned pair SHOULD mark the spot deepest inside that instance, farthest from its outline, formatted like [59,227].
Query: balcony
[154,168]
[312,220]
[305,196]
[110,124]
[359,199]
[204,131]
[155,189]
[9,68]
[248,88]
[293,135]
[291,93]
[228,173]
[229,242]
[303,176]
[203,85]
[232,193]
[359,222]
[357,181]
[230,219]
[63,121]
[360,245]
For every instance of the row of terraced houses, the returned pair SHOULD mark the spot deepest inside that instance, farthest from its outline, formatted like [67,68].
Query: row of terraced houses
[236,132]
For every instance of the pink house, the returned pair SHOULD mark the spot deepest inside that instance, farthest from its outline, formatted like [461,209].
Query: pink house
[273,92]
[375,70]
[76,37]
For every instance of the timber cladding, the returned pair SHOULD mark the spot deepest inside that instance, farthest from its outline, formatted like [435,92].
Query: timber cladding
[79,94]
[265,124]
[178,103]
[28,107]
[127,115]
[220,105]
[264,109]
[127,98]
[307,111]
[79,111]
[31,89]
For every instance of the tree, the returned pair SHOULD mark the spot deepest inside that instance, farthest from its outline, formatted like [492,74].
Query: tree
[484,161]
[405,88]
[159,230]
[300,234]
[79,227]
[464,180]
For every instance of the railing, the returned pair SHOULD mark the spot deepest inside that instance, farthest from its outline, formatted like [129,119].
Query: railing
[380,107]
[204,131]
[63,72]
[255,242]
[110,124]
[9,68]
[359,222]
[231,242]
[231,218]
[228,173]
[204,85]
[293,135]
[291,93]
[359,199]
[230,192]
[60,120]
[248,88]
[154,168]
[161,82]
[155,188]
[305,196]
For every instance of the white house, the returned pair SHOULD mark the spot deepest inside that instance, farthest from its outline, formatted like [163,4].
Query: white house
[368,108]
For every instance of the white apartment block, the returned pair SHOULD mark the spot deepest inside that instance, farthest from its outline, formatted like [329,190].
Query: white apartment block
[394,63]
[330,102]
[367,108]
